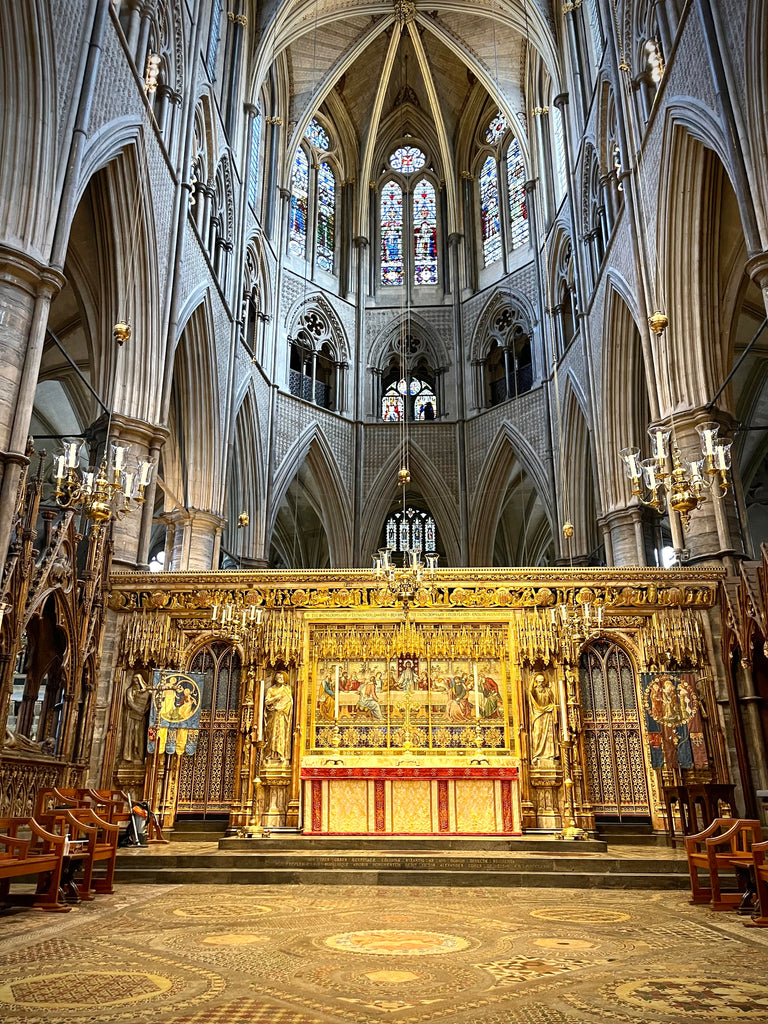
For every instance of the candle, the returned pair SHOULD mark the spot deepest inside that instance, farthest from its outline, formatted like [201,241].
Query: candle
[261,709]
[128,484]
[563,709]
[721,457]
[708,442]
[60,467]
[72,459]
[660,445]
[336,696]
[477,693]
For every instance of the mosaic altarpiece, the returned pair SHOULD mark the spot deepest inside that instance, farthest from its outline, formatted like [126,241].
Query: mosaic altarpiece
[474,695]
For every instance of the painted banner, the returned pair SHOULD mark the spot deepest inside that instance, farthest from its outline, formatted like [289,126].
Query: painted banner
[673,720]
[174,717]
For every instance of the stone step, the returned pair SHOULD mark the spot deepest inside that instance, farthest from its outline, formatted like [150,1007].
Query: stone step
[430,844]
[583,879]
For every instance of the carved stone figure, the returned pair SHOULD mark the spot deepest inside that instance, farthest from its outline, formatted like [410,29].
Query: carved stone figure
[278,708]
[136,700]
[543,720]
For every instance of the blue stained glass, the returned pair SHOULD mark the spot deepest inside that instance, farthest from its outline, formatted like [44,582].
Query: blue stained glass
[391,234]
[391,407]
[424,398]
[391,534]
[490,215]
[253,180]
[317,135]
[518,209]
[425,233]
[430,534]
[496,128]
[326,218]
[297,232]
[416,534]
[404,538]
[407,160]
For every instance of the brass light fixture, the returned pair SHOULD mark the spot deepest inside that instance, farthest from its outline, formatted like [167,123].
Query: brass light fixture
[404,583]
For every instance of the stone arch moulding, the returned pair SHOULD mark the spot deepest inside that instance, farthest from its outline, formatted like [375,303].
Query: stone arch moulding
[388,338]
[320,303]
[507,447]
[313,447]
[427,479]
[501,300]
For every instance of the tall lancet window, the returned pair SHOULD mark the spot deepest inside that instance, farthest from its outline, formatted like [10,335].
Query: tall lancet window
[297,230]
[326,218]
[518,211]
[425,233]
[391,233]
[490,214]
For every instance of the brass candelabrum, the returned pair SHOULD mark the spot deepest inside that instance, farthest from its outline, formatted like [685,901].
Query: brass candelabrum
[151,638]
[669,479]
[403,584]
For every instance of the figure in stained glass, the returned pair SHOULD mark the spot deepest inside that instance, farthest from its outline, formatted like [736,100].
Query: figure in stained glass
[518,210]
[297,231]
[425,233]
[326,214]
[489,211]
[391,234]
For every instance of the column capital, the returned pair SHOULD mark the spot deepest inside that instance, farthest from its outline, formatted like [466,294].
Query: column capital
[360,241]
[561,100]
[27,273]
[757,268]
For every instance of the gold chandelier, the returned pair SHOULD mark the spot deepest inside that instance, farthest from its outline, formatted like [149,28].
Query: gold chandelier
[113,489]
[403,583]
[669,480]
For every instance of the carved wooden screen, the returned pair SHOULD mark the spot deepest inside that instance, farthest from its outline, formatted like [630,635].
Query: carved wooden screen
[207,777]
[614,763]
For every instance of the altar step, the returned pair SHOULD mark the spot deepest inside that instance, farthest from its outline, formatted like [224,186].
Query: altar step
[269,865]
[199,830]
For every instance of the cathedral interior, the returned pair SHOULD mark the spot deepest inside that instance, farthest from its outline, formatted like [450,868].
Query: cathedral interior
[384,503]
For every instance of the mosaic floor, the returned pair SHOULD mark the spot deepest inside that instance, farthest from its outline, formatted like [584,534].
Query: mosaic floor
[347,955]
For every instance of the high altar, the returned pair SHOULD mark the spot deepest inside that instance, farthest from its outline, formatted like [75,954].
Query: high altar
[493,702]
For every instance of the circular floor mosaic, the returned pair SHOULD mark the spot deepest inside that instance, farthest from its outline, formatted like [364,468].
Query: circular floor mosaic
[69,990]
[391,942]
[699,998]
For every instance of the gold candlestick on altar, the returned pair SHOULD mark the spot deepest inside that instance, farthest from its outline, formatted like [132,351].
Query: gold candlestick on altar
[254,828]
[336,744]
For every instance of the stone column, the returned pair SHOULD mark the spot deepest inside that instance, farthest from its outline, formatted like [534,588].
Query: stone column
[623,532]
[26,290]
[196,537]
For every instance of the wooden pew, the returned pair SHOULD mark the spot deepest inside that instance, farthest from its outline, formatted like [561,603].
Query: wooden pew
[759,851]
[720,848]
[103,834]
[42,855]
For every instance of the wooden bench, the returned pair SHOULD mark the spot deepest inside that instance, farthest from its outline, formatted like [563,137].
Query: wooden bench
[42,855]
[77,814]
[722,847]
[760,867]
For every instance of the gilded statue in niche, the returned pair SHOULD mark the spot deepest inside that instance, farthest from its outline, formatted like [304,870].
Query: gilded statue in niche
[278,710]
[543,720]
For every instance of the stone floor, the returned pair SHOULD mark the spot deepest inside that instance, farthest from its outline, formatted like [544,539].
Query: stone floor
[347,955]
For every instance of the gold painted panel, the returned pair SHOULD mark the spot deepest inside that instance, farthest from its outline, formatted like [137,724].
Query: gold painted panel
[348,810]
[411,806]
[475,806]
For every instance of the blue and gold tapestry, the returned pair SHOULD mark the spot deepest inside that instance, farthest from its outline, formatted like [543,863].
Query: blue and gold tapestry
[673,720]
[174,716]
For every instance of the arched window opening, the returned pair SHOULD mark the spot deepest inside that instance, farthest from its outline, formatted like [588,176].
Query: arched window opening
[561,160]
[518,211]
[214,37]
[425,233]
[255,157]
[407,160]
[413,397]
[566,304]
[409,528]
[325,377]
[326,217]
[315,372]
[317,135]
[392,234]
[297,230]
[496,129]
[508,365]
[490,214]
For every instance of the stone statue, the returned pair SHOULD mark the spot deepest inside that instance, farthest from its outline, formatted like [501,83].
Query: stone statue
[543,720]
[136,700]
[278,707]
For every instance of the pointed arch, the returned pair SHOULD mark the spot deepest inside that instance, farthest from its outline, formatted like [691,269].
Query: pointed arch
[246,488]
[577,475]
[327,494]
[425,479]
[509,452]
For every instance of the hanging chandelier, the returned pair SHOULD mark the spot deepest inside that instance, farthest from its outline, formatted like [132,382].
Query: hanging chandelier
[668,480]
[108,491]
[404,583]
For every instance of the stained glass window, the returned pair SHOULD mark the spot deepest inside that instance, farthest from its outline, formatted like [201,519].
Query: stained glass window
[297,232]
[490,215]
[423,400]
[253,180]
[213,39]
[317,135]
[407,160]
[425,233]
[560,161]
[496,128]
[391,234]
[392,405]
[518,210]
[411,528]
[326,214]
